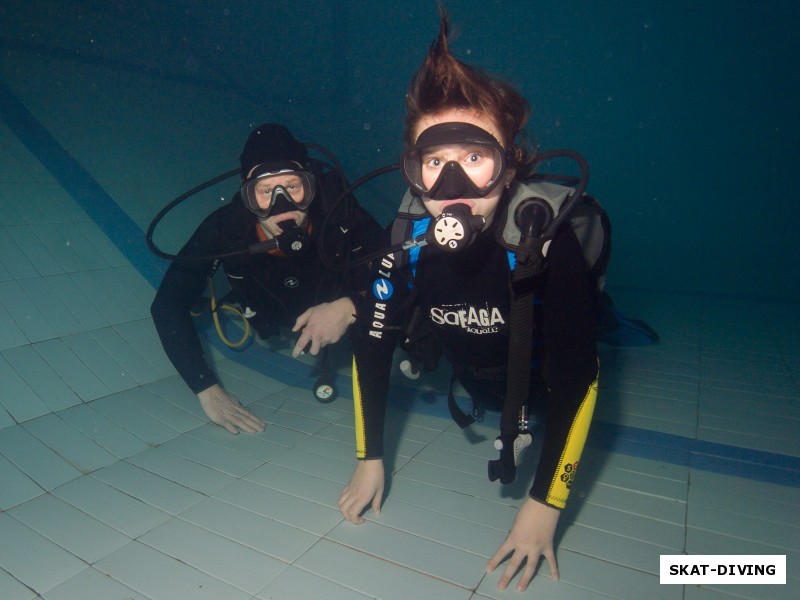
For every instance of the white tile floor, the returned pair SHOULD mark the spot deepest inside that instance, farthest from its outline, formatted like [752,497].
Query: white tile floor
[114,486]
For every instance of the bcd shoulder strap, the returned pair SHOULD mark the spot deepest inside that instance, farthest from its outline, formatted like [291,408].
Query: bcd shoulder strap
[588,220]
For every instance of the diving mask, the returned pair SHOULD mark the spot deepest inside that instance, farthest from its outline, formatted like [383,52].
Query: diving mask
[454,160]
[275,188]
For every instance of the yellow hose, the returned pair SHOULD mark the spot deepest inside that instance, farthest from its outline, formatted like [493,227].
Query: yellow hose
[217,324]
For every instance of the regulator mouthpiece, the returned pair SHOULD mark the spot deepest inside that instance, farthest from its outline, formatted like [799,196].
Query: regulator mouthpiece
[293,240]
[455,228]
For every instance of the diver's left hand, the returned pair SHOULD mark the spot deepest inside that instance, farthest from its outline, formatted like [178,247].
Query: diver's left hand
[365,487]
[323,324]
[530,537]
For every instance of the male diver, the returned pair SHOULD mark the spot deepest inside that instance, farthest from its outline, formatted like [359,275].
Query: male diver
[284,203]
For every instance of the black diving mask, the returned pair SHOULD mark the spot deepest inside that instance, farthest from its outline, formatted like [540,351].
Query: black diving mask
[275,188]
[456,160]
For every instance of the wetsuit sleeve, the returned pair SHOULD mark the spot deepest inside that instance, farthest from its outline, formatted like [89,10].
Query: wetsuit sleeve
[570,368]
[179,289]
[378,325]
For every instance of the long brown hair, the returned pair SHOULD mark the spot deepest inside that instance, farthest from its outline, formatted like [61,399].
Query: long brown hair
[443,82]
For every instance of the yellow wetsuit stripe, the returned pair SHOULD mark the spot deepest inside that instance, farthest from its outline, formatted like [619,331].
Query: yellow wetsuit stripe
[361,440]
[568,463]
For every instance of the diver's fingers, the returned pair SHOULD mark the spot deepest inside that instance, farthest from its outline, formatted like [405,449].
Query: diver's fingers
[527,574]
[350,507]
[504,550]
[511,568]
[305,343]
[248,422]
[315,347]
[301,321]
[550,556]
[376,502]
[230,427]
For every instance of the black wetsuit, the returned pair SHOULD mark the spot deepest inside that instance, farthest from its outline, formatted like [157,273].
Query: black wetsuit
[277,287]
[466,297]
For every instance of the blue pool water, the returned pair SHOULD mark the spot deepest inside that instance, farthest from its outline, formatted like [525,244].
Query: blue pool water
[686,115]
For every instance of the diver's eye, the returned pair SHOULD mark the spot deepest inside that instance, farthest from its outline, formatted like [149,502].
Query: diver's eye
[473,158]
[432,162]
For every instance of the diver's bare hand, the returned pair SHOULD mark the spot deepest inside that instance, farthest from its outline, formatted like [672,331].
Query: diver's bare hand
[223,409]
[365,487]
[323,324]
[530,537]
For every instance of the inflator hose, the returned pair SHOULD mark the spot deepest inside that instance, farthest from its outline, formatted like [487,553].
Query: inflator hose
[529,261]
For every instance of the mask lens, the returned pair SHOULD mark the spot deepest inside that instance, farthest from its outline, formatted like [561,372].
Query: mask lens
[454,158]
[480,164]
[262,191]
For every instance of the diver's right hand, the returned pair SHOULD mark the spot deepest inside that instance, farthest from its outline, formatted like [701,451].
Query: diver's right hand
[323,324]
[223,409]
[365,486]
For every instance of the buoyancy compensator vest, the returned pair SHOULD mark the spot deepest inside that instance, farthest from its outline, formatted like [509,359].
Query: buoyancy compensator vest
[592,228]
[587,218]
